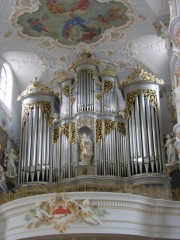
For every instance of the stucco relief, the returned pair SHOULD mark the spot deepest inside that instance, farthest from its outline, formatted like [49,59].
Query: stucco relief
[61,210]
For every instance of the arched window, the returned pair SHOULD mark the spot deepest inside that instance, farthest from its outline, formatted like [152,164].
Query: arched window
[6,85]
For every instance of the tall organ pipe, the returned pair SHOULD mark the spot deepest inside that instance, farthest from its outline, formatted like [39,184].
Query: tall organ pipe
[144,130]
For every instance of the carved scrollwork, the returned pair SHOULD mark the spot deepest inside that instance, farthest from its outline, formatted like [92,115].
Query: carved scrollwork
[99,96]
[109,125]
[73,133]
[36,88]
[130,99]
[138,75]
[99,130]
[64,129]
[55,135]
[25,112]
[66,90]
[149,93]
[152,96]
[121,126]
[45,107]
[69,130]
[107,85]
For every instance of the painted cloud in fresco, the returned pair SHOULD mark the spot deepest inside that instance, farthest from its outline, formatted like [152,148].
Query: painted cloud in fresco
[70,22]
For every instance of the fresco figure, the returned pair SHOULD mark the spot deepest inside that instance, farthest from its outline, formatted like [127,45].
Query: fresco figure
[37,24]
[86,150]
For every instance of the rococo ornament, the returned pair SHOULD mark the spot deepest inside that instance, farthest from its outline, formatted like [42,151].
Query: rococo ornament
[36,88]
[45,107]
[61,211]
[151,94]
[139,75]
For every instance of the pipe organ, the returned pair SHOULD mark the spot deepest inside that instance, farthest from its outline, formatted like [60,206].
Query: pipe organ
[80,131]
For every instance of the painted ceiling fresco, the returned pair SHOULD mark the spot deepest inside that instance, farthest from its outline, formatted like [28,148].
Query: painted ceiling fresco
[70,22]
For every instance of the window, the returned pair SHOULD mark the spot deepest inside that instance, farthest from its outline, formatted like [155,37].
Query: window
[6,85]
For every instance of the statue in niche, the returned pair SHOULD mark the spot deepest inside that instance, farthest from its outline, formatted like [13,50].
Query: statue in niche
[170,151]
[86,149]
[11,167]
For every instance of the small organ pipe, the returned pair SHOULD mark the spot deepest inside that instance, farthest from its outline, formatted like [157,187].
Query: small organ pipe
[29,139]
[143,126]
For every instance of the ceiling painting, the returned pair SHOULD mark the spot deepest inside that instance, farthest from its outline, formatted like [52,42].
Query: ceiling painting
[70,22]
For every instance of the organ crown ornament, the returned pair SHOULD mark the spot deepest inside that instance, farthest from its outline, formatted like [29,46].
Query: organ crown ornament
[36,88]
[140,75]
[108,72]
[85,58]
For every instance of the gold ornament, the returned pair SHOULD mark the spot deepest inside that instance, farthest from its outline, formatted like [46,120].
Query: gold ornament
[36,88]
[107,85]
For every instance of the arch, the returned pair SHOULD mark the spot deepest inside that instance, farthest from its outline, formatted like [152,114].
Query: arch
[6,85]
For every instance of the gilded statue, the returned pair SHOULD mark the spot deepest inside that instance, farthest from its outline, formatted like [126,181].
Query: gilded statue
[86,149]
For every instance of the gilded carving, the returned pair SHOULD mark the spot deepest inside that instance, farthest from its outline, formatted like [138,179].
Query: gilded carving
[70,210]
[141,75]
[99,96]
[99,130]
[109,125]
[45,107]
[64,129]
[130,99]
[149,93]
[109,71]
[121,126]
[69,130]
[25,112]
[152,96]
[66,90]
[90,72]
[85,58]
[107,85]
[36,88]
[73,132]
[55,135]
